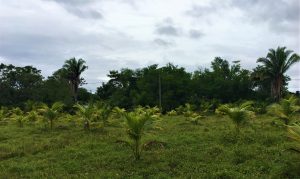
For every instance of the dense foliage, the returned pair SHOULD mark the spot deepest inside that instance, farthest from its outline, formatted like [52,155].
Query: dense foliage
[224,82]
[167,87]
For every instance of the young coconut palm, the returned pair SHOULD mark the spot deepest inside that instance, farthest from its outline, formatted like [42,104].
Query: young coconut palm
[285,109]
[136,122]
[196,118]
[17,115]
[239,115]
[172,113]
[85,113]
[3,114]
[32,116]
[102,113]
[51,113]
[294,134]
[188,112]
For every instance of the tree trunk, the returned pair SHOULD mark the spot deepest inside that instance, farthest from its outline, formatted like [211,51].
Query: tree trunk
[276,88]
[51,124]
[137,150]
[74,90]
[86,125]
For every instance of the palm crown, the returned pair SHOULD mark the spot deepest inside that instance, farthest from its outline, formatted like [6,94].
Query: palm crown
[276,64]
[72,71]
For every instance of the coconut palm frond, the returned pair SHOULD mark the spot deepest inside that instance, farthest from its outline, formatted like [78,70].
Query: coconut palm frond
[239,114]
[294,134]
[285,109]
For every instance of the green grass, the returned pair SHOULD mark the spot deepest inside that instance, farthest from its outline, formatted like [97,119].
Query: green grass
[176,149]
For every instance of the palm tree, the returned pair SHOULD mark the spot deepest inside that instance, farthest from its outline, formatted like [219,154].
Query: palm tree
[52,113]
[72,70]
[276,64]
[238,115]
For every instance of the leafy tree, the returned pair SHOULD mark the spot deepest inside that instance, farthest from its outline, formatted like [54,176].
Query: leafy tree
[120,90]
[239,114]
[285,109]
[56,88]
[225,82]
[51,113]
[72,70]
[129,88]
[276,64]
[19,84]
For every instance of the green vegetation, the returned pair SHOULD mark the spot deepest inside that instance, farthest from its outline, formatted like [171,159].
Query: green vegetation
[294,134]
[175,149]
[285,109]
[51,113]
[168,86]
[136,122]
[183,138]
[239,114]
[275,65]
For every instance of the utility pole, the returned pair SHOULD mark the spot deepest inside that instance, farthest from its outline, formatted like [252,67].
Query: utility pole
[159,92]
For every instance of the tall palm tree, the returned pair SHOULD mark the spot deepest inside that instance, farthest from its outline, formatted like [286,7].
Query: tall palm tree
[276,64]
[72,70]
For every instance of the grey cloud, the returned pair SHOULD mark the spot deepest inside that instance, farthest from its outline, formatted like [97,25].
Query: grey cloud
[84,13]
[73,2]
[195,34]
[281,16]
[200,11]
[163,43]
[167,30]
[80,8]
[167,27]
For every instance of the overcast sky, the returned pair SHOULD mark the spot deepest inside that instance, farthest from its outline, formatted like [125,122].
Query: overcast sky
[113,34]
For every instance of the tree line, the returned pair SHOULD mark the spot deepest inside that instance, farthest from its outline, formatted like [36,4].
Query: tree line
[168,86]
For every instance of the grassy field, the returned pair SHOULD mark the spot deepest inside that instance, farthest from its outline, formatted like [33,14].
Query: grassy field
[174,148]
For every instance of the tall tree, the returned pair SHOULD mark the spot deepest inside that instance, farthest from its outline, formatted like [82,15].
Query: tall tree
[72,70]
[225,82]
[19,84]
[276,64]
